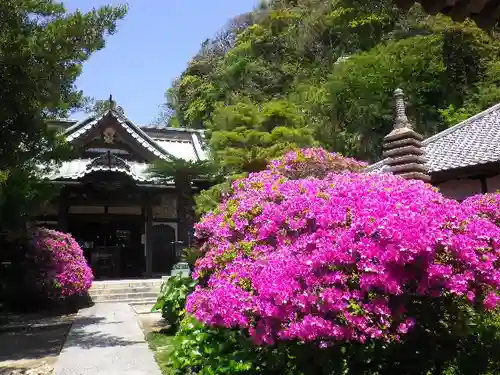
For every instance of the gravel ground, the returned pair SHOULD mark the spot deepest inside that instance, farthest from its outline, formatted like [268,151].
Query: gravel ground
[30,345]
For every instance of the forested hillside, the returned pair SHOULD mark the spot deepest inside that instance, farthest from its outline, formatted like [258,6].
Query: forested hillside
[304,72]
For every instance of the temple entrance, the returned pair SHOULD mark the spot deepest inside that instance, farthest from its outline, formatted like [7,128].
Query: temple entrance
[164,255]
[112,245]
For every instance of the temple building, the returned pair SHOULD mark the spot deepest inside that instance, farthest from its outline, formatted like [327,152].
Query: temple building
[125,220]
[461,161]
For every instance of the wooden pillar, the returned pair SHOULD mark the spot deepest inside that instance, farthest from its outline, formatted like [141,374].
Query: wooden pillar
[62,215]
[149,238]
[484,185]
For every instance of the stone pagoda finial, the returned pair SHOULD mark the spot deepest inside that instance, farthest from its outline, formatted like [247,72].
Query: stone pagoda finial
[403,146]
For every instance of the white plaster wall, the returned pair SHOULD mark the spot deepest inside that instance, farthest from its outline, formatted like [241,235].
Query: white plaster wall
[460,189]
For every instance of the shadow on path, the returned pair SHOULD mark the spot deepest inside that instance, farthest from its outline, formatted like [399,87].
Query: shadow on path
[32,343]
[39,342]
[85,338]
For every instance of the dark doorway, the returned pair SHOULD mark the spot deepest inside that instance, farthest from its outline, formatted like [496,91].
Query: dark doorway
[163,249]
[112,245]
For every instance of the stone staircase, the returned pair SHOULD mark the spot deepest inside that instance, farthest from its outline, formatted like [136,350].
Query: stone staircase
[134,292]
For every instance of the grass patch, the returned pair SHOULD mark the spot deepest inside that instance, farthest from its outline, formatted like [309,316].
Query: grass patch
[162,345]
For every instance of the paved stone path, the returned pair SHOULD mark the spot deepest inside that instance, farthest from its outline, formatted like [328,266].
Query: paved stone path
[106,339]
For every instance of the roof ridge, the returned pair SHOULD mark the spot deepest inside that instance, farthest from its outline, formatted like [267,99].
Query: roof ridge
[461,124]
[139,131]
[77,124]
[166,128]
[124,121]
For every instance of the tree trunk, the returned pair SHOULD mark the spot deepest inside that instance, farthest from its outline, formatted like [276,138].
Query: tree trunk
[185,208]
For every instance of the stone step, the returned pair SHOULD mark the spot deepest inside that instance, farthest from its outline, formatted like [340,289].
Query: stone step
[114,284]
[122,296]
[129,291]
[107,291]
[134,302]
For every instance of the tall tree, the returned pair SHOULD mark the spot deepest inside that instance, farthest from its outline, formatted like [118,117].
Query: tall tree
[183,173]
[42,49]
[438,72]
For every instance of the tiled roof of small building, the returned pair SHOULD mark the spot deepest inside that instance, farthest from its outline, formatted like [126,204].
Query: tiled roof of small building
[474,141]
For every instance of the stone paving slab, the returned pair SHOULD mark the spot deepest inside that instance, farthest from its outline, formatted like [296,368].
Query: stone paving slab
[31,323]
[143,308]
[106,339]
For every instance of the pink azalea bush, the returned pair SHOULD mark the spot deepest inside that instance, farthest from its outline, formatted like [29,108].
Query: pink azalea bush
[485,205]
[313,162]
[339,258]
[59,265]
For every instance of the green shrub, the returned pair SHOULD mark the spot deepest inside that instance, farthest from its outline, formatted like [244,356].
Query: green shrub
[191,255]
[201,350]
[172,298]
[452,341]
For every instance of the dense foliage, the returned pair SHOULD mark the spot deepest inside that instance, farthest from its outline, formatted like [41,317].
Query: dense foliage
[323,72]
[456,349]
[55,265]
[203,350]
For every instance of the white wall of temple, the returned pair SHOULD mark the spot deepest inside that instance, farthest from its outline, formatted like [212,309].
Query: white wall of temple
[460,189]
[493,184]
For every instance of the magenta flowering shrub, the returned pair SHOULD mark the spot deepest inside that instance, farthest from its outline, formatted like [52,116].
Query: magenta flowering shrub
[485,205]
[338,259]
[313,162]
[57,263]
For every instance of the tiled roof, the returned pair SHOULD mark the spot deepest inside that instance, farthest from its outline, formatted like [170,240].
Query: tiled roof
[188,147]
[78,168]
[474,141]
[163,142]
[83,127]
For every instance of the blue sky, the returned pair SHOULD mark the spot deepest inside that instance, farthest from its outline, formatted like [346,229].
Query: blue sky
[152,47]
